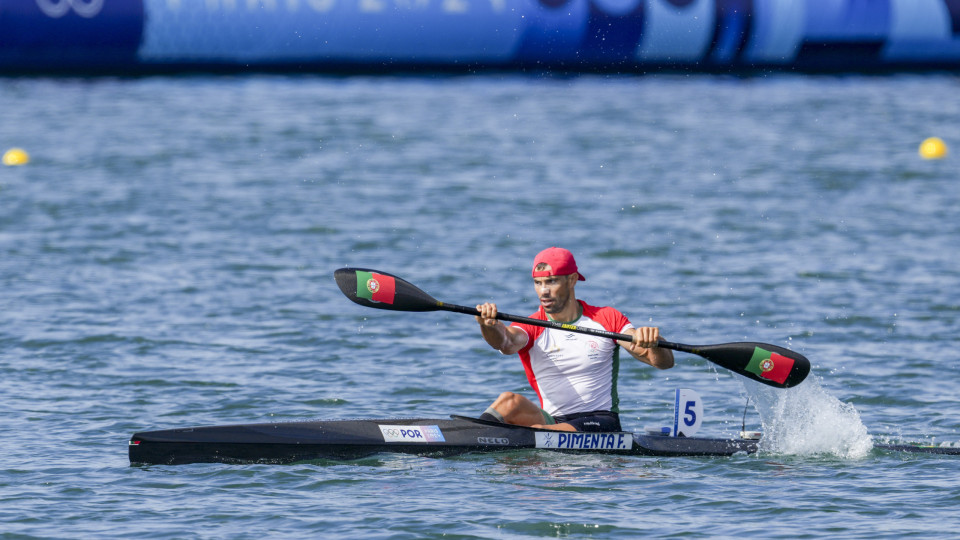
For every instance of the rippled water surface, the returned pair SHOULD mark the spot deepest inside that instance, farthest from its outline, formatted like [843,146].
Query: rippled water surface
[166,260]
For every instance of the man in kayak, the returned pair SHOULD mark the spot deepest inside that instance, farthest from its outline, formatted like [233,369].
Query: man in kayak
[574,375]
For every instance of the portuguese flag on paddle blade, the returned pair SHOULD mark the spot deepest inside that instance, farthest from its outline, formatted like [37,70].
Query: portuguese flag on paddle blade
[770,365]
[376,287]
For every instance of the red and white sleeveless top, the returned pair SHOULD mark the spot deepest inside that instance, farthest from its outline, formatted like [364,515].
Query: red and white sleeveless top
[572,372]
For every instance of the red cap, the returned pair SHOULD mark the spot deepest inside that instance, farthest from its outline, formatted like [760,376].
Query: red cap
[561,263]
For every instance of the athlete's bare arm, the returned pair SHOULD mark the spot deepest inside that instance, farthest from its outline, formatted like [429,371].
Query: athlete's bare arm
[644,347]
[506,339]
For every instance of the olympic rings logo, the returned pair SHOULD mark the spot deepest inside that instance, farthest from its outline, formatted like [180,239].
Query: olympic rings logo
[58,8]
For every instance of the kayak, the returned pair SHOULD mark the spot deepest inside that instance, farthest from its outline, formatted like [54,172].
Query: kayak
[288,442]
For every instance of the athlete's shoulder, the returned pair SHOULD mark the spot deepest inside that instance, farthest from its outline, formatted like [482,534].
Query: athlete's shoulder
[603,311]
[609,317]
[532,332]
[530,329]
[540,314]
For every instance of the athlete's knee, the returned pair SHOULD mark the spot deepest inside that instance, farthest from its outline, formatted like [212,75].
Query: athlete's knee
[515,400]
[508,402]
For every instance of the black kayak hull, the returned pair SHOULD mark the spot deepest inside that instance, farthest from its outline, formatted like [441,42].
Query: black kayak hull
[289,442]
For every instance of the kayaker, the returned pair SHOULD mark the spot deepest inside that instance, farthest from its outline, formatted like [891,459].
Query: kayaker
[574,375]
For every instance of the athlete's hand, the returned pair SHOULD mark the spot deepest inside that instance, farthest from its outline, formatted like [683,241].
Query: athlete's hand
[647,337]
[488,314]
[645,347]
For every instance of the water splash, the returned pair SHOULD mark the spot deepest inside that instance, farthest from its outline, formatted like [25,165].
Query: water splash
[806,420]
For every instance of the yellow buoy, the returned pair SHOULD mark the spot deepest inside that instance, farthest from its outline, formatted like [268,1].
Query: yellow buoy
[15,156]
[933,148]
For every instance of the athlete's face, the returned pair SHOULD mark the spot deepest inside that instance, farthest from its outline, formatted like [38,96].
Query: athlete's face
[555,292]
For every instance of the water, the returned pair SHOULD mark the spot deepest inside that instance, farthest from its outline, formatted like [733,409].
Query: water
[166,260]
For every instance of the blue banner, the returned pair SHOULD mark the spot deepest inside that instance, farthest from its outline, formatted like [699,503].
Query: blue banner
[37,34]
[620,35]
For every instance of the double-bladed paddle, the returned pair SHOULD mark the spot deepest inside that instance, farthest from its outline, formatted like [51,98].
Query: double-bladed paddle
[769,364]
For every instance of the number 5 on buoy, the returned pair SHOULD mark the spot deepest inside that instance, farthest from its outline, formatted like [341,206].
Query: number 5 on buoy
[687,413]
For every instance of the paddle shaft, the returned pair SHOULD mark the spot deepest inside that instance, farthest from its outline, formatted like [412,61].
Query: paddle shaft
[563,326]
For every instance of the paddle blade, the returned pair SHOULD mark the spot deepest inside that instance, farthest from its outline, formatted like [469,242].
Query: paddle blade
[380,290]
[762,362]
